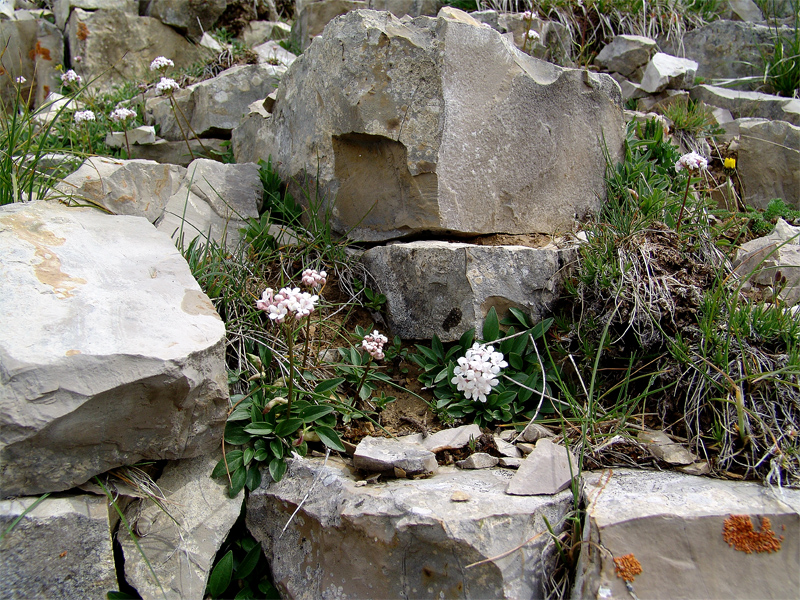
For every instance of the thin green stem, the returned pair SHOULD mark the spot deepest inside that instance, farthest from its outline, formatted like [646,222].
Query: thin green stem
[363,377]
[683,204]
[127,144]
[178,121]
[308,335]
[290,343]
[189,125]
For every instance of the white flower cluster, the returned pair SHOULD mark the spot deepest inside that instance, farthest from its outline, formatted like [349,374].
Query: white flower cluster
[314,279]
[691,162]
[161,62]
[71,77]
[532,35]
[167,86]
[121,114]
[84,115]
[373,344]
[527,15]
[20,80]
[475,373]
[287,302]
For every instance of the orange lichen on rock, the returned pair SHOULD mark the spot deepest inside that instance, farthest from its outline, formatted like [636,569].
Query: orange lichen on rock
[627,567]
[41,51]
[738,532]
[83,31]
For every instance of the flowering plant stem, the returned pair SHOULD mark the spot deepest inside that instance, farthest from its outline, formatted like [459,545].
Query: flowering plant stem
[683,204]
[305,346]
[127,143]
[363,377]
[290,343]
[177,108]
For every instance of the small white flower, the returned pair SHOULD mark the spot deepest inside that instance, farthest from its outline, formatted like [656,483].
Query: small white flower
[20,80]
[84,115]
[373,344]
[161,62]
[691,162]
[167,86]
[527,15]
[121,114]
[314,279]
[476,370]
[288,301]
[532,35]
[71,77]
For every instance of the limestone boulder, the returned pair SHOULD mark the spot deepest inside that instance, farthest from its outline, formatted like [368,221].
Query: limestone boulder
[769,161]
[31,49]
[272,53]
[178,153]
[214,202]
[116,47]
[666,71]
[182,551]
[407,136]
[626,53]
[256,33]
[762,259]
[689,536]
[382,454]
[191,17]
[446,288]
[60,549]
[124,187]
[146,134]
[312,17]
[62,9]
[110,353]
[548,469]
[744,104]
[403,538]
[745,10]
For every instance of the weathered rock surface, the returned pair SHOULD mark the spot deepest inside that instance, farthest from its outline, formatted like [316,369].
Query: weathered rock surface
[124,187]
[61,549]
[116,47]
[404,538]
[146,134]
[31,48]
[664,448]
[749,104]
[272,53]
[745,10]
[256,33]
[383,454]
[760,260]
[452,439]
[478,460]
[110,353]
[461,282]
[769,162]
[673,525]
[533,432]
[546,470]
[666,71]
[181,553]
[214,202]
[187,16]
[411,141]
[62,9]
[177,153]
[626,53]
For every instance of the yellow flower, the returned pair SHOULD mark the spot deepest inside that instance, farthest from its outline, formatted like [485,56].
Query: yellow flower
[729,163]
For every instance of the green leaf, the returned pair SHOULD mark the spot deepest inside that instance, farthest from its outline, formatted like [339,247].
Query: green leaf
[235,434]
[277,468]
[442,402]
[246,593]
[329,437]
[115,595]
[247,456]
[220,577]
[516,362]
[365,391]
[440,376]
[437,347]
[324,387]
[467,339]
[241,412]
[520,316]
[262,428]
[429,354]
[261,455]
[249,562]
[312,413]
[288,427]
[234,458]
[268,590]
[238,479]
[541,328]
[491,326]
[277,448]
[253,479]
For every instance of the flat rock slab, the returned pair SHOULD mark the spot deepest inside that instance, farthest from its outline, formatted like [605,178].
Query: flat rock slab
[461,283]
[451,439]
[769,162]
[383,454]
[743,104]
[110,353]
[181,553]
[548,469]
[61,549]
[403,538]
[673,526]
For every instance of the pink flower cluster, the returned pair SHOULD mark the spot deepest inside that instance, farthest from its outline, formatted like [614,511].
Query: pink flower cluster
[71,77]
[167,86]
[160,63]
[288,302]
[476,370]
[314,279]
[121,114]
[373,343]
[691,162]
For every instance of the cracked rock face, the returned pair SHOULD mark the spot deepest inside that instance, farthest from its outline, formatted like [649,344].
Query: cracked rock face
[403,538]
[441,124]
[109,351]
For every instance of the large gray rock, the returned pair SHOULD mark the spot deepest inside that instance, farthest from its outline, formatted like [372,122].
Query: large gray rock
[761,259]
[62,9]
[109,353]
[626,53]
[272,53]
[407,136]
[749,104]
[769,162]
[116,47]
[214,107]
[673,526]
[30,48]
[446,288]
[59,550]
[214,202]
[177,153]
[403,538]
[124,187]
[452,439]
[383,454]
[191,17]
[549,469]
[256,33]
[713,46]
[312,17]
[666,71]
[182,551]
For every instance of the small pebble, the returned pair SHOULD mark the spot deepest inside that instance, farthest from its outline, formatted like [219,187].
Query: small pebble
[459,496]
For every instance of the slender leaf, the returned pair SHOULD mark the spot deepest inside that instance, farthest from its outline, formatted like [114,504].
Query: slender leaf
[235,434]
[491,326]
[516,362]
[312,413]
[277,468]
[253,479]
[288,427]
[467,339]
[238,479]
[520,316]
[262,428]
[234,460]
[276,446]
[437,347]
[324,387]
[247,456]
[329,437]
[249,562]
[220,577]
